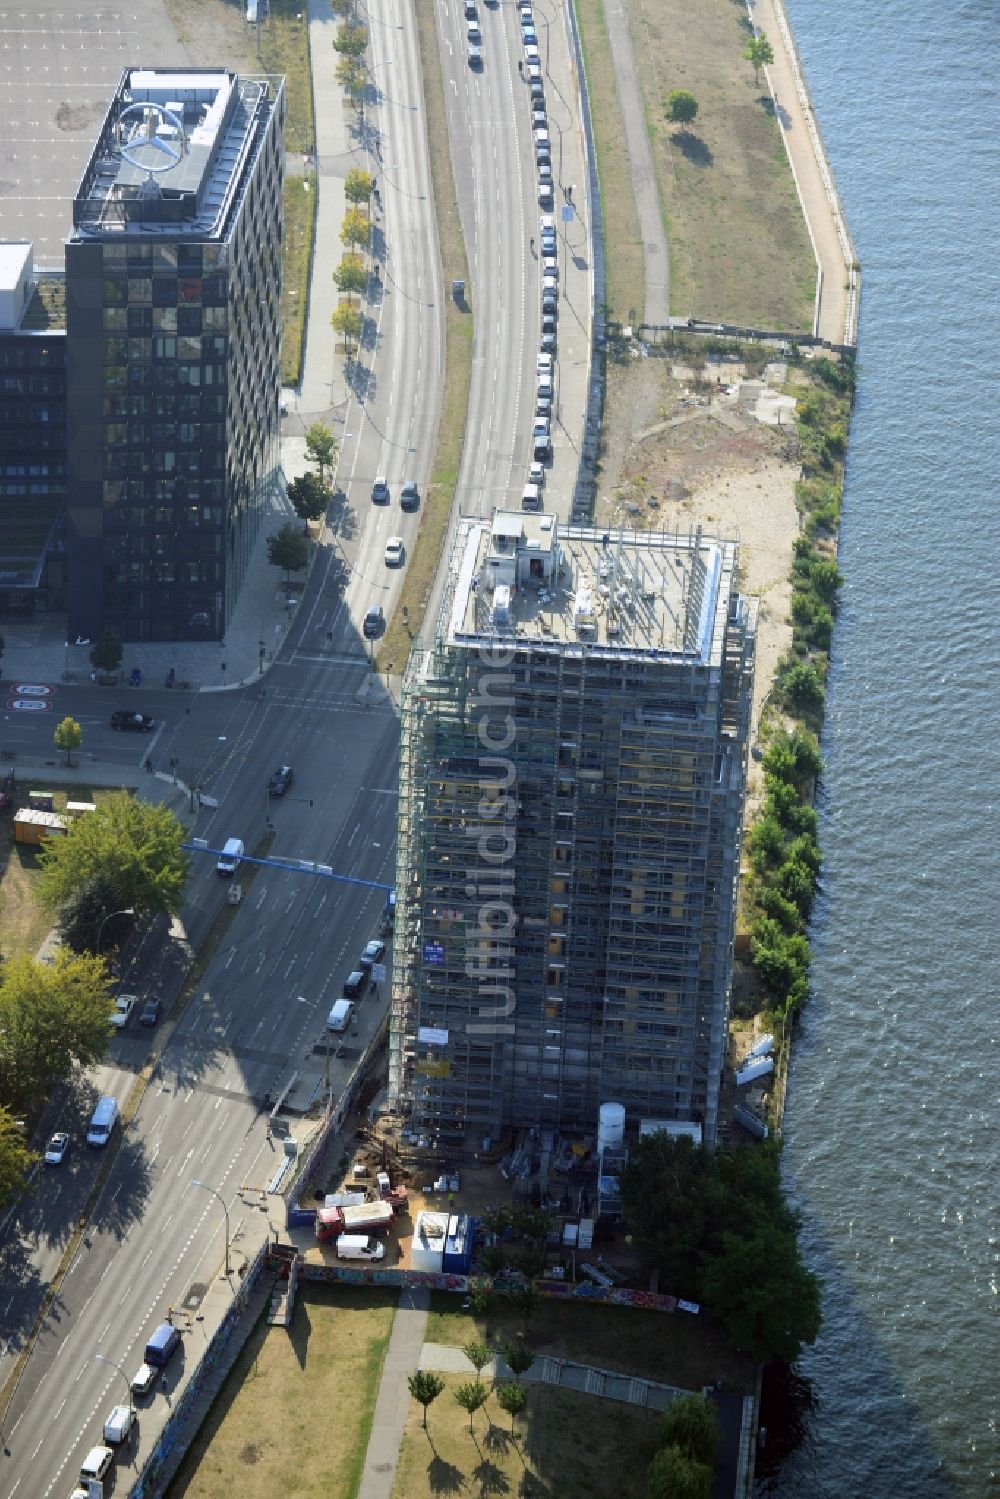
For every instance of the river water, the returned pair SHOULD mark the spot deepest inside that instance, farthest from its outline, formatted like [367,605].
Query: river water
[891,1124]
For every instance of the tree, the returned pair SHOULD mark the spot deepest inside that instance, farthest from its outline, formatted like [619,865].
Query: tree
[478,1355]
[15,1157]
[673,1475]
[106,655]
[682,107]
[82,918]
[356,229]
[288,549]
[471,1396]
[691,1422]
[358,185]
[309,496]
[352,75]
[801,686]
[482,1299]
[135,845]
[68,736]
[765,1298]
[759,53]
[766,844]
[350,276]
[518,1357]
[348,322]
[351,40]
[321,447]
[342,8]
[52,1016]
[425,1389]
[512,1398]
[665,1201]
[524,1299]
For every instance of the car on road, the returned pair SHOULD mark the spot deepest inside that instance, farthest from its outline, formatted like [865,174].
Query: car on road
[56,1149]
[124,1005]
[470,10]
[144,1379]
[550,286]
[540,427]
[138,723]
[543,364]
[374,622]
[118,1425]
[533,73]
[374,951]
[548,339]
[549,304]
[380,491]
[545,173]
[538,115]
[542,139]
[537,90]
[543,404]
[280,781]
[475,56]
[394,551]
[409,496]
[536,474]
[151,1011]
[545,195]
[531,53]
[473,34]
[550,265]
[543,155]
[528,33]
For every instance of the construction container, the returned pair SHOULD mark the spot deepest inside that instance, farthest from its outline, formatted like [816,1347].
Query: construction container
[31,826]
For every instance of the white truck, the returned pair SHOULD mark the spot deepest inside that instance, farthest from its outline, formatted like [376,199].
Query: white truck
[359,1247]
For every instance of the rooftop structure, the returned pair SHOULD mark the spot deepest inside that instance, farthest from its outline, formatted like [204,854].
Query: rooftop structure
[573,765]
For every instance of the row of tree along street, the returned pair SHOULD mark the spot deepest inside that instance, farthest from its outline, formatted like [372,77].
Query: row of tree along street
[120,863]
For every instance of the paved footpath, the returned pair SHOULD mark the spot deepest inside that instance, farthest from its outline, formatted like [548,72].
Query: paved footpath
[401,1360]
[838,312]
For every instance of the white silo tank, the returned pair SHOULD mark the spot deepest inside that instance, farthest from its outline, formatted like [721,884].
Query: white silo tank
[610,1127]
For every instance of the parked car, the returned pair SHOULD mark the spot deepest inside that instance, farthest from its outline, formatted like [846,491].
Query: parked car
[124,1005]
[151,1012]
[356,984]
[280,781]
[528,33]
[380,491]
[536,474]
[144,1379]
[57,1149]
[537,90]
[138,723]
[549,304]
[531,53]
[545,198]
[475,56]
[374,623]
[545,172]
[550,265]
[543,364]
[409,496]
[118,1425]
[394,551]
[538,116]
[533,73]
[374,951]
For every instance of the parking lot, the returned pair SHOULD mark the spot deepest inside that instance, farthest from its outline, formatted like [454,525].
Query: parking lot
[59,65]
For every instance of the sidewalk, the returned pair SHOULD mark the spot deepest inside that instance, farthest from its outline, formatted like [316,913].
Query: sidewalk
[656,253]
[401,1360]
[838,310]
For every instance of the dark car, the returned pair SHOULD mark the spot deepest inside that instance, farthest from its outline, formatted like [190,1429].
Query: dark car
[139,723]
[355,984]
[409,496]
[151,1012]
[374,622]
[280,781]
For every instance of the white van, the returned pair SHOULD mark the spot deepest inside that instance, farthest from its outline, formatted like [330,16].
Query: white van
[531,497]
[339,1017]
[96,1464]
[359,1247]
[230,857]
[104,1119]
[118,1425]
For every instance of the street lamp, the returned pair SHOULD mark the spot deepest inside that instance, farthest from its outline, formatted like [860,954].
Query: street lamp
[125,911]
[102,1358]
[206,1188]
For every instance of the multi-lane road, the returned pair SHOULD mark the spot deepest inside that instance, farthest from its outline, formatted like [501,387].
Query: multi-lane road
[155,1241]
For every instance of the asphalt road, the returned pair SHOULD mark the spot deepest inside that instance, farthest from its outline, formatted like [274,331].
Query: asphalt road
[155,1241]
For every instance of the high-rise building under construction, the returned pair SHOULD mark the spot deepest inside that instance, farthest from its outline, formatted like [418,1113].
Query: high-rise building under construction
[573,765]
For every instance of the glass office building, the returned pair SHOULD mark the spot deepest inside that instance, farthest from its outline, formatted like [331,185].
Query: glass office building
[173,296]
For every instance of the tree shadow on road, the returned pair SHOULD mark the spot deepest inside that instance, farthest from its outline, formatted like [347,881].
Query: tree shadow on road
[340,517]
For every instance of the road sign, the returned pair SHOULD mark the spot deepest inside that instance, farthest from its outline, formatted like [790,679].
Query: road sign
[568,213]
[434,954]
